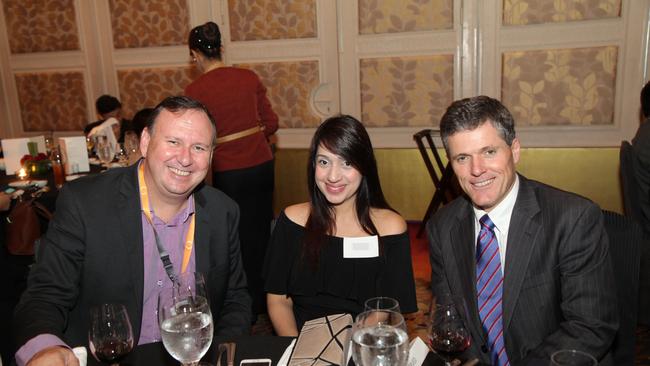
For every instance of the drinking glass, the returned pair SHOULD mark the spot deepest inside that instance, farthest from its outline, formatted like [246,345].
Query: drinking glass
[381,303]
[448,335]
[131,142]
[379,338]
[572,357]
[185,319]
[105,151]
[90,143]
[121,155]
[110,337]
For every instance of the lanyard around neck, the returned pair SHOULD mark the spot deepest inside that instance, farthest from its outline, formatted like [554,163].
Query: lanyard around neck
[189,237]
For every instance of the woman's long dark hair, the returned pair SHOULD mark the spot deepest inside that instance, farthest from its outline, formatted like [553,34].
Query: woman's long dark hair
[346,137]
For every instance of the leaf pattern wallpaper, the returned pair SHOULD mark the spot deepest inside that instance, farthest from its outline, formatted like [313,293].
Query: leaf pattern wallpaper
[560,87]
[41,25]
[289,86]
[142,88]
[394,16]
[406,91]
[272,19]
[149,23]
[53,101]
[522,12]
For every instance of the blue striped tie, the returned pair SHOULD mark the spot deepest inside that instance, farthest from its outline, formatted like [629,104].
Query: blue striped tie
[489,287]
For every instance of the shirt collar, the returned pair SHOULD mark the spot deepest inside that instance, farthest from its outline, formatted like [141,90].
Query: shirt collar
[501,213]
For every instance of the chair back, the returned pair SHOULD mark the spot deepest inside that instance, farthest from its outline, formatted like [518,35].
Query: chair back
[444,180]
[625,238]
[628,166]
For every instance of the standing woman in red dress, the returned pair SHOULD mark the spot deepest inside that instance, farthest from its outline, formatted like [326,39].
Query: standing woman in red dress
[242,163]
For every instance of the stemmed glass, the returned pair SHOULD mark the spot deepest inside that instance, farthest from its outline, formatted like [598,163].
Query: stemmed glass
[121,155]
[379,338]
[185,319]
[572,357]
[448,335]
[381,303]
[105,151]
[110,336]
[131,142]
[90,143]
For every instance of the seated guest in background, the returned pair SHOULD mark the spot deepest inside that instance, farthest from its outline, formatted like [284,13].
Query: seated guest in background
[641,147]
[139,120]
[100,246]
[138,123]
[108,106]
[553,287]
[311,268]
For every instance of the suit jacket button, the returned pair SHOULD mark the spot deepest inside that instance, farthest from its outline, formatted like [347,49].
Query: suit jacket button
[484,348]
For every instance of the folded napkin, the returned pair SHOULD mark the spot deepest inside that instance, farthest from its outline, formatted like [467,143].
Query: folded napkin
[284,360]
[82,355]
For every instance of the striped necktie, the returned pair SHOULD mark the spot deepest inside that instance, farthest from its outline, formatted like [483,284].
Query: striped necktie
[489,287]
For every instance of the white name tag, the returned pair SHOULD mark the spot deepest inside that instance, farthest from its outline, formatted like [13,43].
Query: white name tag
[364,247]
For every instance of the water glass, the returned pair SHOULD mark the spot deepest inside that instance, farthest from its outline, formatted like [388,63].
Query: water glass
[185,319]
[381,303]
[379,338]
[572,357]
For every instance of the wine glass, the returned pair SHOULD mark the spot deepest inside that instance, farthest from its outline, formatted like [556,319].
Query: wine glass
[185,319]
[90,143]
[131,142]
[379,338]
[448,335]
[381,303]
[110,336]
[572,357]
[105,151]
[121,155]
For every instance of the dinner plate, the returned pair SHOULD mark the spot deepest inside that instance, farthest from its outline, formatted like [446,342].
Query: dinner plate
[28,183]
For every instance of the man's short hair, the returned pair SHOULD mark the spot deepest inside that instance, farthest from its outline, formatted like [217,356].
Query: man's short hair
[177,104]
[470,113]
[645,100]
[106,104]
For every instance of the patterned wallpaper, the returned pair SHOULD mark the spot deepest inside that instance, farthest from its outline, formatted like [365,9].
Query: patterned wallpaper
[271,19]
[53,101]
[393,16]
[41,25]
[289,85]
[406,91]
[149,23]
[560,87]
[141,88]
[522,12]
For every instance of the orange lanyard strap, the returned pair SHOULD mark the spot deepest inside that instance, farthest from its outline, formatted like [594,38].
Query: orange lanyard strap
[189,237]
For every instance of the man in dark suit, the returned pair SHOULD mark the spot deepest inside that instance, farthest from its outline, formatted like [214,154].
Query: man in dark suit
[101,246]
[529,260]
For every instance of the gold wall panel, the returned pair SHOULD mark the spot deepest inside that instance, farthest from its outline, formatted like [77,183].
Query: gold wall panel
[142,88]
[560,87]
[408,188]
[272,19]
[395,16]
[41,25]
[522,12]
[52,101]
[149,23]
[289,85]
[406,91]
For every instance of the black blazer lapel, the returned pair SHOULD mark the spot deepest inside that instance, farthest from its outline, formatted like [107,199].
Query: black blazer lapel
[524,229]
[129,213]
[201,233]
[462,241]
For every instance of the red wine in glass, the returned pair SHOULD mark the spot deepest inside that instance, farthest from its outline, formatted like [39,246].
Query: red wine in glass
[112,351]
[449,344]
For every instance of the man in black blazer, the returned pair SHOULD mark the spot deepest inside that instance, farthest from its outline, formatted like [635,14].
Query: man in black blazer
[100,246]
[539,279]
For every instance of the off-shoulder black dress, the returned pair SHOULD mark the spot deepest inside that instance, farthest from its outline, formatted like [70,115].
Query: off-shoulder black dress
[337,284]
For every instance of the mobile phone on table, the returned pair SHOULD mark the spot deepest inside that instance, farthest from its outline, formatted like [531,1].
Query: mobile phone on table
[255,362]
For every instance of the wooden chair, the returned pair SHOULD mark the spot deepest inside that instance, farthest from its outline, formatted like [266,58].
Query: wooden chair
[444,180]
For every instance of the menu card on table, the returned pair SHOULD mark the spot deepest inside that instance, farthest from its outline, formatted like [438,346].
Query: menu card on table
[75,154]
[15,149]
